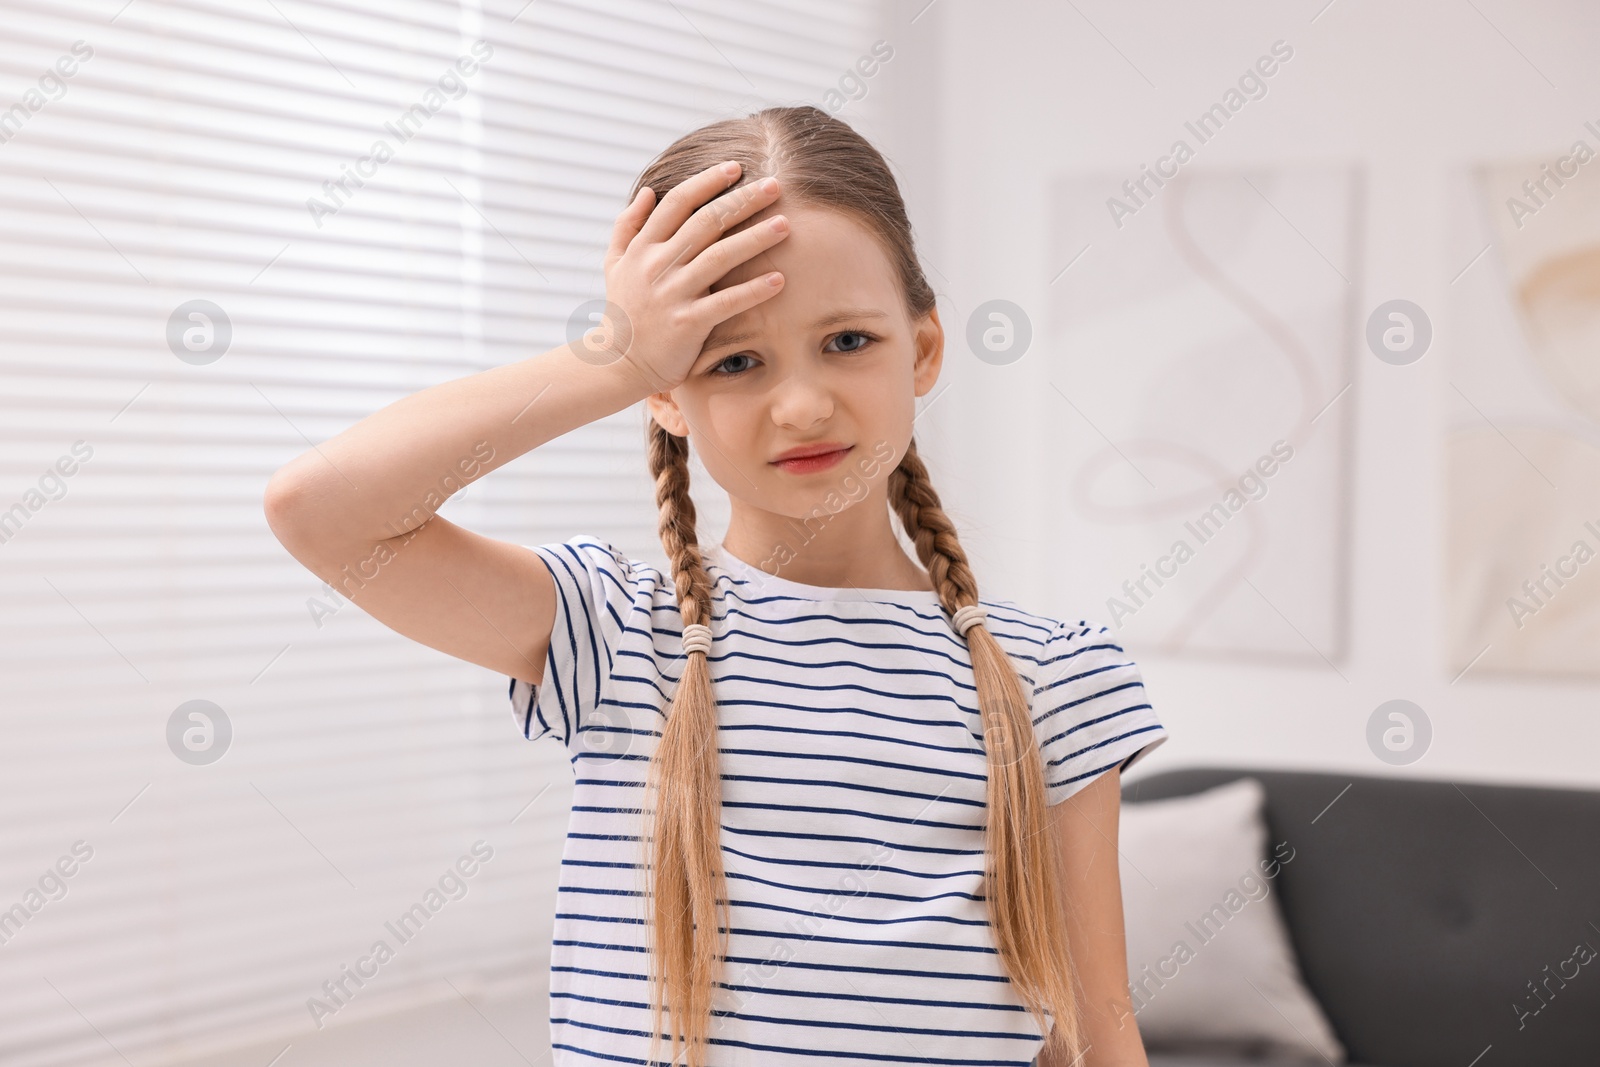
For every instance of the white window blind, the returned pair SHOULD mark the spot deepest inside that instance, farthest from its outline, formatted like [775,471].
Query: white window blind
[210,265]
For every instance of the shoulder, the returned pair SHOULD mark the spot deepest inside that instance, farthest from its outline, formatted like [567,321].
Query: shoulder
[1082,649]
[615,590]
[1050,648]
[1026,636]
[588,553]
[1073,638]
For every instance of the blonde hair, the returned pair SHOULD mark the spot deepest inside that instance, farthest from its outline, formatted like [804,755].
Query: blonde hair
[824,162]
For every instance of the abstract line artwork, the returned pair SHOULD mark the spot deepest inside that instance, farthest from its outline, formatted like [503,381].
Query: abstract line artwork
[1201,382]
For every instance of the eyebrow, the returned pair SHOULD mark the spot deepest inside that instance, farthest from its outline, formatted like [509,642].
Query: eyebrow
[842,315]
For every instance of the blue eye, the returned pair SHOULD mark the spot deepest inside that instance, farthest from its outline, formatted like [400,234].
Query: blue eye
[717,367]
[867,339]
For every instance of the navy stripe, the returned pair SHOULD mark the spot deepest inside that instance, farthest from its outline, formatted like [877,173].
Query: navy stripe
[805,994]
[824,1053]
[740,831]
[908,872]
[780,909]
[928,1031]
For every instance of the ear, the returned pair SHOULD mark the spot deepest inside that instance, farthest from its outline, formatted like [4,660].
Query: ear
[929,344]
[665,411]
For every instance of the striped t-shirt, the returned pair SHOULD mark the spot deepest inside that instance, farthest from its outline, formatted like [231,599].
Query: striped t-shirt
[853,807]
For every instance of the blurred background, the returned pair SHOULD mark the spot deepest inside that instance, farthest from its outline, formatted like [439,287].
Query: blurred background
[1273,342]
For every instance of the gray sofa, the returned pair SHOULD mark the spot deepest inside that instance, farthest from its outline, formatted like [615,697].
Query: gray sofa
[1425,913]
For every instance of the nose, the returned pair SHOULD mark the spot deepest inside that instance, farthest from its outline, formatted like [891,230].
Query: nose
[801,398]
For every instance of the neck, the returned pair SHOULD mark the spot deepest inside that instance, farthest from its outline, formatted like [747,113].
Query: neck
[856,546]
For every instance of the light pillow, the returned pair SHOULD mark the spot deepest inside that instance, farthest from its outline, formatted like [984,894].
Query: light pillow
[1210,964]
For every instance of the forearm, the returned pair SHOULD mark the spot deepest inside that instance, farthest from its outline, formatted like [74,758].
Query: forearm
[1086,825]
[390,472]
[1110,1038]
[1110,1028]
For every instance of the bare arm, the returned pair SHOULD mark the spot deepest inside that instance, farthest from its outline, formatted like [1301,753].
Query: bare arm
[1086,825]
[360,510]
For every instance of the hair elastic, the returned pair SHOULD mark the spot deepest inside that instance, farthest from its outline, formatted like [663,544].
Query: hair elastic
[968,616]
[697,637]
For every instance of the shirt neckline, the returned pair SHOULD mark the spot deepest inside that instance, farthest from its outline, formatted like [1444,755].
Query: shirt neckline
[759,579]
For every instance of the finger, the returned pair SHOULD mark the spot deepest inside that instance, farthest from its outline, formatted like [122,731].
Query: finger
[724,255]
[682,201]
[724,304]
[632,217]
[715,219]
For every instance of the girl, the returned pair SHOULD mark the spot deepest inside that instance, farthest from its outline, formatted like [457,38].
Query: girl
[818,815]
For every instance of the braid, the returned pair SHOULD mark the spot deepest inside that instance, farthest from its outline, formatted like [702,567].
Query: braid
[912,495]
[1022,873]
[669,462]
[684,841]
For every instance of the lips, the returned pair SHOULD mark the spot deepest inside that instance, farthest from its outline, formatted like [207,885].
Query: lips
[817,449]
[811,458]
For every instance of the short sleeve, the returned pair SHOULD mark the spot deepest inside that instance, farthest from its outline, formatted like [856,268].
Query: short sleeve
[1090,712]
[599,591]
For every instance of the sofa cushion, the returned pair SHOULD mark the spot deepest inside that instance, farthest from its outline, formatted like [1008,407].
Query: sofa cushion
[1210,964]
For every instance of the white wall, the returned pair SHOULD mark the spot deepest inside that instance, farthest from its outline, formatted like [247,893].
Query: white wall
[990,102]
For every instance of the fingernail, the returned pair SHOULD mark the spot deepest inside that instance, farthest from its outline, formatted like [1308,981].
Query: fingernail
[769,185]
[730,169]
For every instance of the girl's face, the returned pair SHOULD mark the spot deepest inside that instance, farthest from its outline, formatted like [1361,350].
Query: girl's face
[832,359]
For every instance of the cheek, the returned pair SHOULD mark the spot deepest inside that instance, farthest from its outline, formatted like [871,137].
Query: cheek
[733,425]
[887,403]
[887,381]
[725,419]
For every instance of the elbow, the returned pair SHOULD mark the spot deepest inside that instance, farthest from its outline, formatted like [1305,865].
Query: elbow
[285,502]
[289,505]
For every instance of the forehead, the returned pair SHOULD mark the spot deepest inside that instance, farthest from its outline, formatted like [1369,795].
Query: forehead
[830,262]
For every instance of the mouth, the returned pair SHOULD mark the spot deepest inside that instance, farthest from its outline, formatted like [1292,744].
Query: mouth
[816,461]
